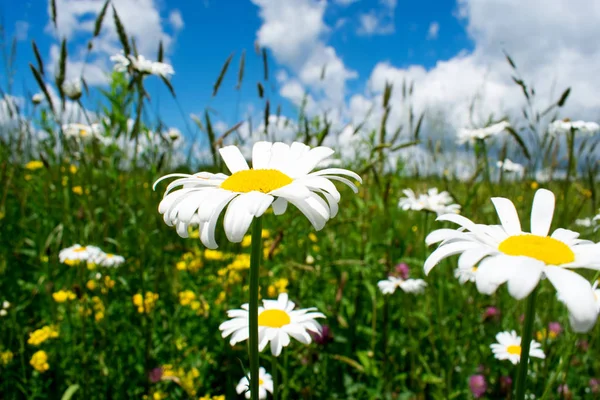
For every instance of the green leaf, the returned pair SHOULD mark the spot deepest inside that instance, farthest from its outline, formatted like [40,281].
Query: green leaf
[42,85]
[563,97]
[241,70]
[53,12]
[38,57]
[70,392]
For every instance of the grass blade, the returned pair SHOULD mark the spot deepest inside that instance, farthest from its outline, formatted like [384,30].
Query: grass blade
[241,70]
[100,19]
[265,64]
[222,74]
[121,32]
[42,85]
[38,57]
[520,141]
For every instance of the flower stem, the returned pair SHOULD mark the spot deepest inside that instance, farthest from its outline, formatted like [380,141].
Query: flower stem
[253,316]
[525,344]
[275,375]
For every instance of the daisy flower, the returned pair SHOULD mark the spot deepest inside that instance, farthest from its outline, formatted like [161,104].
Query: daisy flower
[470,135]
[277,321]
[509,347]
[280,174]
[434,201]
[109,260]
[37,98]
[141,64]
[561,127]
[509,166]
[72,89]
[82,132]
[265,384]
[389,285]
[506,254]
[77,253]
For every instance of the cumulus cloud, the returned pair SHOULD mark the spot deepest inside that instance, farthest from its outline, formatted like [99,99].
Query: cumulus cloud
[294,31]
[142,21]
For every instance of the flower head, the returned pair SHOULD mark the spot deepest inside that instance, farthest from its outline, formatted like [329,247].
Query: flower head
[63,295]
[37,98]
[281,174]
[79,254]
[33,165]
[72,89]
[506,254]
[561,127]
[39,361]
[39,336]
[141,64]
[509,166]
[277,321]
[509,347]
[402,270]
[434,201]
[477,385]
[470,135]
[265,384]
[389,285]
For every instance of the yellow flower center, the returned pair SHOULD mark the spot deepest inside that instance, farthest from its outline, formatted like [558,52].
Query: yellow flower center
[80,249]
[514,349]
[546,249]
[273,318]
[110,255]
[83,132]
[260,382]
[474,269]
[259,180]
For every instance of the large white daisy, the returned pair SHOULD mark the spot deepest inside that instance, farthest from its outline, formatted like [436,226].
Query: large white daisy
[265,384]
[389,285]
[509,347]
[277,321]
[280,174]
[506,254]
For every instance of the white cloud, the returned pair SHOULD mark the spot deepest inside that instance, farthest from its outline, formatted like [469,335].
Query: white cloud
[344,2]
[176,20]
[378,22]
[21,30]
[294,31]
[434,29]
[141,19]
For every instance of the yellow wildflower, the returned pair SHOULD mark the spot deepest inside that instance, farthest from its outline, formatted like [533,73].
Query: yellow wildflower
[33,165]
[181,265]
[316,248]
[145,304]
[220,298]
[158,395]
[71,263]
[312,237]
[39,336]
[213,255]
[64,180]
[281,285]
[78,190]
[186,297]
[271,291]
[39,361]
[98,307]
[73,169]
[63,295]
[91,284]
[6,357]
[28,177]
[534,185]
[240,262]
[247,241]
[91,266]
[109,282]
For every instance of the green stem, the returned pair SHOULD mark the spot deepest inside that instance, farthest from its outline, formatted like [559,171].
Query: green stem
[525,344]
[274,373]
[570,162]
[253,312]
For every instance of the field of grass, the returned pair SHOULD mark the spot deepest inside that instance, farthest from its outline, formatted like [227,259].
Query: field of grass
[149,327]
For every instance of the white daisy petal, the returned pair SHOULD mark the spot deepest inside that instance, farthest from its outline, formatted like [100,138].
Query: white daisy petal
[529,274]
[241,212]
[279,206]
[541,212]
[577,294]
[233,158]
[446,251]
[261,154]
[508,215]
[493,272]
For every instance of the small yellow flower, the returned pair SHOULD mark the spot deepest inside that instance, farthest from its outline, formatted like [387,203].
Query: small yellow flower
[39,336]
[534,185]
[91,284]
[71,263]
[73,169]
[63,295]
[98,307]
[28,177]
[312,237]
[145,304]
[158,395]
[240,262]
[64,180]
[220,298]
[181,265]
[281,285]
[265,234]
[39,361]
[415,228]
[33,165]
[109,282]
[6,357]
[213,255]
[78,190]
[186,297]
[316,248]
[271,291]
[247,241]
[91,266]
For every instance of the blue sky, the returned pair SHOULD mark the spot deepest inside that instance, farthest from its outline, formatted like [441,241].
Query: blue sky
[363,42]
[213,30]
